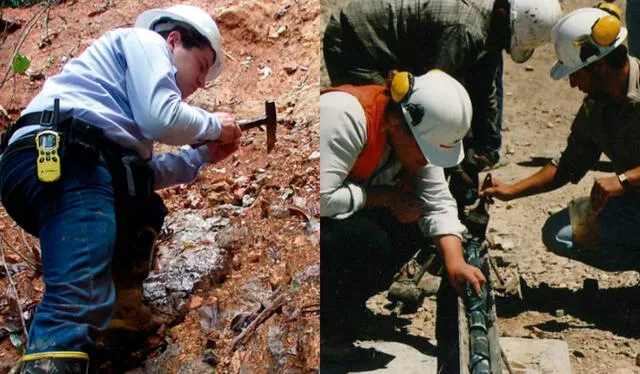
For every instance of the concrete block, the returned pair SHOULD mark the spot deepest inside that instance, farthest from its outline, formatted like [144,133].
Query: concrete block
[537,356]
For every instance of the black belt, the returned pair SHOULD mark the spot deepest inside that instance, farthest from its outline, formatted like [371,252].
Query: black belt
[40,118]
[43,118]
[22,143]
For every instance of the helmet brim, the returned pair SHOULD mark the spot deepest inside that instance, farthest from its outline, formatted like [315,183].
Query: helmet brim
[559,70]
[150,17]
[520,55]
[443,157]
[437,154]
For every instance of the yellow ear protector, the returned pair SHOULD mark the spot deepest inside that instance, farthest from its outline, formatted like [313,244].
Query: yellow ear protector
[401,86]
[610,8]
[604,32]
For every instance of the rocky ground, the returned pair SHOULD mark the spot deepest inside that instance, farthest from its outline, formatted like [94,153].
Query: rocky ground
[600,326]
[236,285]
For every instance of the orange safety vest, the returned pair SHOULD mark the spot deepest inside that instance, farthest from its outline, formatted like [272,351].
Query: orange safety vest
[374,100]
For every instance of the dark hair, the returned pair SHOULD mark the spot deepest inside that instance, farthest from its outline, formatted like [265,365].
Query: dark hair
[616,59]
[189,36]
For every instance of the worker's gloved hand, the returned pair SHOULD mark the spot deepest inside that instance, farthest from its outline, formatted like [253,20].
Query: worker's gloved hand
[477,160]
[482,161]
[229,130]
[463,186]
[219,151]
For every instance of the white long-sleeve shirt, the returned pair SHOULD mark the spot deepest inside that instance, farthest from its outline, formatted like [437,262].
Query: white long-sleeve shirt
[343,136]
[125,83]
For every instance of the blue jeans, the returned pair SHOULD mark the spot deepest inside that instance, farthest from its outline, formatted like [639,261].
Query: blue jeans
[619,225]
[75,221]
[633,25]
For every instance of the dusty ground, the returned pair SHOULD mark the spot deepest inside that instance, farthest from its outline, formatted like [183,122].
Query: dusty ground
[282,36]
[602,329]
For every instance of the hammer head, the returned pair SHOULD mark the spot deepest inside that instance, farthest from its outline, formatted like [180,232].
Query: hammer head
[271,121]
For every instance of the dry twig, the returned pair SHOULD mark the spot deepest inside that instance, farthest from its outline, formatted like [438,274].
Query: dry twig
[35,249]
[506,361]
[279,301]
[23,36]
[72,51]
[228,55]
[495,270]
[31,262]
[15,291]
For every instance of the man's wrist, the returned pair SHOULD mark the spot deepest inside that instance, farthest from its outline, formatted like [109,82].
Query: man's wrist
[623,178]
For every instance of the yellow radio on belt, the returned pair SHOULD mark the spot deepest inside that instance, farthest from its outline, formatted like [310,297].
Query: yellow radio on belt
[48,161]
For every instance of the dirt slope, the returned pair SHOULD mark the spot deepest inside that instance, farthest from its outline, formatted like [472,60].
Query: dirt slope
[270,54]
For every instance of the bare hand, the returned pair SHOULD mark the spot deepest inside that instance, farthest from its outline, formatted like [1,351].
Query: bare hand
[462,272]
[498,190]
[405,207]
[602,190]
[218,151]
[229,130]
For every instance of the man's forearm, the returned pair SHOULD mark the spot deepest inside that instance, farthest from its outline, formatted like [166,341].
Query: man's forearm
[544,180]
[634,178]
[450,248]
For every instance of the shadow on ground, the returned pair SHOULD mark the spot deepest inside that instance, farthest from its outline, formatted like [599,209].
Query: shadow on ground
[340,360]
[613,309]
[603,166]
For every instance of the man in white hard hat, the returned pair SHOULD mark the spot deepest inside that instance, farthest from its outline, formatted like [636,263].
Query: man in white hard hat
[80,162]
[383,194]
[588,44]
[463,38]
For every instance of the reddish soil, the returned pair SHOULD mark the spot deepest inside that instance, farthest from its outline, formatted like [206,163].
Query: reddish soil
[253,39]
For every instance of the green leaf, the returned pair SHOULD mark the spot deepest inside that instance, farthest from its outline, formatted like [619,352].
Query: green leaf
[295,286]
[20,63]
[16,340]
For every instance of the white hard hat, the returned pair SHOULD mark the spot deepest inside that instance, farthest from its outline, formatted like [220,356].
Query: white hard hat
[582,37]
[438,111]
[196,18]
[531,23]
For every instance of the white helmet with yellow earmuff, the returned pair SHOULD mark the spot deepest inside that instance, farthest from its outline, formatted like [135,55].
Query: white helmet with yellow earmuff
[438,110]
[583,37]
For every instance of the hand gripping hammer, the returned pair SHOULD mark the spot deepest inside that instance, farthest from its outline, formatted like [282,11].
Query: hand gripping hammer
[269,120]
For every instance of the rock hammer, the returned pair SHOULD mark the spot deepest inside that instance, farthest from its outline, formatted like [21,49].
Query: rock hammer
[269,119]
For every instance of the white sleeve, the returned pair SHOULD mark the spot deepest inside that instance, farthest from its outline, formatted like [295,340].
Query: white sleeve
[155,98]
[438,207]
[176,168]
[342,138]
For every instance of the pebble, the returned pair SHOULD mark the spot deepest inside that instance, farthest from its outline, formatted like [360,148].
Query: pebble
[505,259]
[210,358]
[196,302]
[559,313]
[578,353]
